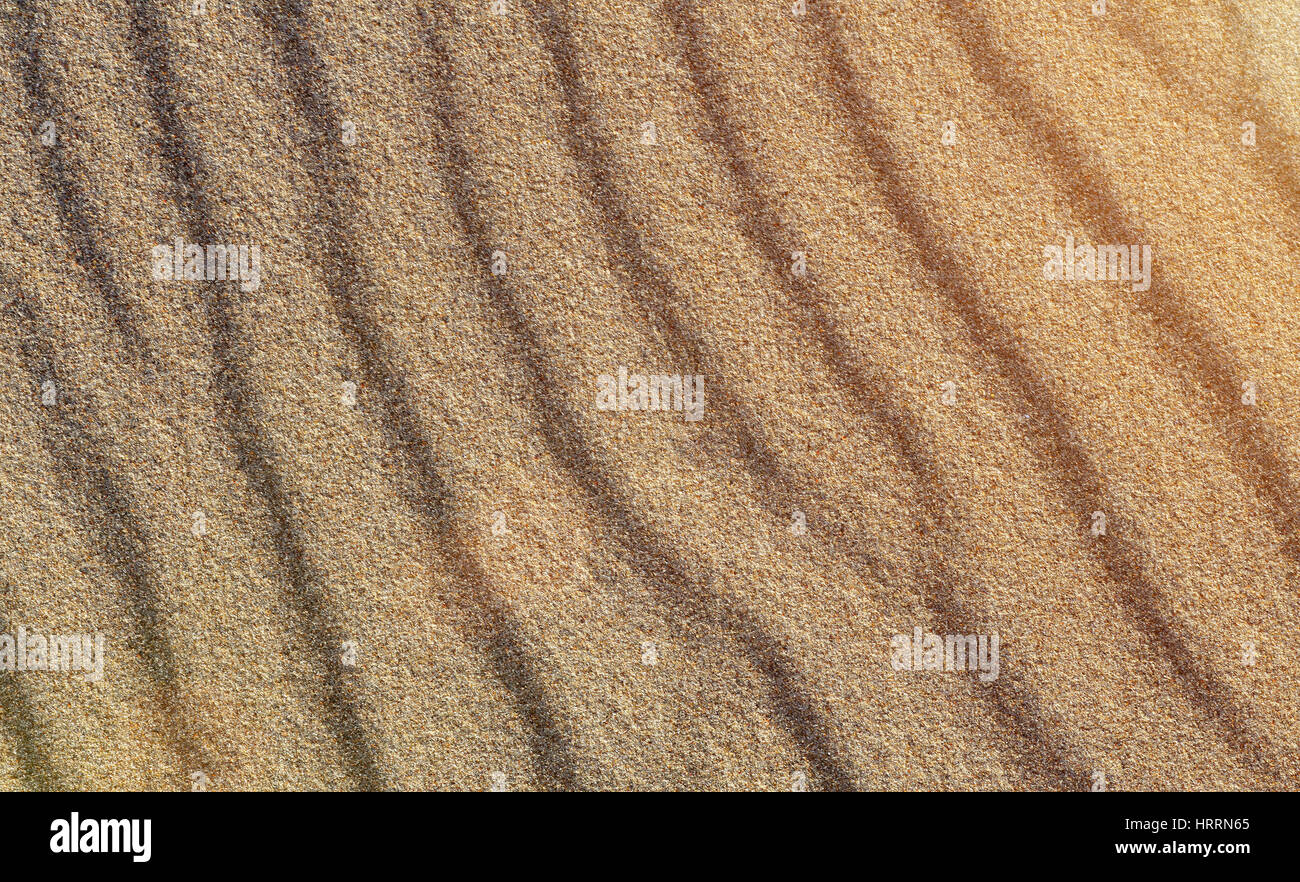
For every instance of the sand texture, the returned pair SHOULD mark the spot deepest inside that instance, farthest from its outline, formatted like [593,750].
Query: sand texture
[367,525]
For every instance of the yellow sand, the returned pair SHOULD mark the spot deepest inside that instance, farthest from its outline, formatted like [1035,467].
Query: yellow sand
[647,613]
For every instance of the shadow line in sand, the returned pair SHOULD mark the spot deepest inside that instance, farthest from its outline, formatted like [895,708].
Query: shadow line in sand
[62,176]
[646,281]
[107,513]
[307,602]
[559,426]
[1279,174]
[496,630]
[1014,704]
[1126,562]
[18,719]
[1194,350]
[1282,172]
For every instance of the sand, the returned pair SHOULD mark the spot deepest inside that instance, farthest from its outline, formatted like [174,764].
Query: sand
[365,526]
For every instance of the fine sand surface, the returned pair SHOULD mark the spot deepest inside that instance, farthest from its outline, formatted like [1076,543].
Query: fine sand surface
[537,593]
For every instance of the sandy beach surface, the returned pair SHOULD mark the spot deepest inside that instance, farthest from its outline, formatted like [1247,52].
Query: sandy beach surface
[378,510]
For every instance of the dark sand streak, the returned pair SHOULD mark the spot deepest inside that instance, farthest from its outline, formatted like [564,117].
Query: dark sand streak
[1126,561]
[495,628]
[560,428]
[62,176]
[1014,704]
[244,421]
[107,513]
